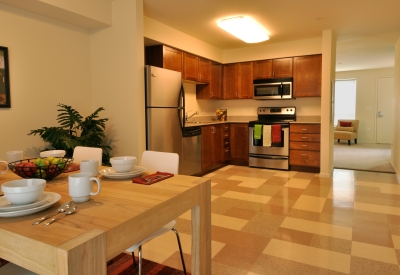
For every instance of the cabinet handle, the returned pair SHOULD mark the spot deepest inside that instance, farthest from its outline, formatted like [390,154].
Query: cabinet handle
[305,146]
[304,155]
[304,130]
[304,137]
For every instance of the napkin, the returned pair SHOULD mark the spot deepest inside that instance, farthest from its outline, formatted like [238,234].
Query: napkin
[72,167]
[152,178]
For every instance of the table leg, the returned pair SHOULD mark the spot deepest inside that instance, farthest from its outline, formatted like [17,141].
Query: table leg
[201,232]
[84,255]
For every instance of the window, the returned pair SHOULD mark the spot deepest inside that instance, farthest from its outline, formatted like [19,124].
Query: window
[345,99]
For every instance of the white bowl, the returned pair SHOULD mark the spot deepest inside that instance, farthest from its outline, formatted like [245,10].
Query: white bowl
[52,153]
[23,191]
[123,164]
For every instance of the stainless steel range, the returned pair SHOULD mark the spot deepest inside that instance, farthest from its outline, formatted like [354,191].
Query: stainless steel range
[269,137]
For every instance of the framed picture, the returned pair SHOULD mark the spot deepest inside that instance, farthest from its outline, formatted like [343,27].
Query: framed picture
[5,100]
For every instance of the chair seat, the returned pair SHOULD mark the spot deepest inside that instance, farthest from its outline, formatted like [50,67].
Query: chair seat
[157,233]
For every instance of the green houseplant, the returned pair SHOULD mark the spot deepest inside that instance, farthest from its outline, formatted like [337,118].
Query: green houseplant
[74,130]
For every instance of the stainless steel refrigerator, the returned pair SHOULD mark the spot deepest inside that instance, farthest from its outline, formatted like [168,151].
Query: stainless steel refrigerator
[165,119]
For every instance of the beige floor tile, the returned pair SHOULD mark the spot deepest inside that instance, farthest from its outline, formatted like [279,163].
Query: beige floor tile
[228,222]
[341,194]
[309,255]
[377,208]
[362,266]
[246,197]
[319,228]
[297,183]
[248,182]
[374,252]
[396,241]
[310,203]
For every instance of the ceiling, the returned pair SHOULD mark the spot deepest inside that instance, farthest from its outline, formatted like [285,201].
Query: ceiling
[366,31]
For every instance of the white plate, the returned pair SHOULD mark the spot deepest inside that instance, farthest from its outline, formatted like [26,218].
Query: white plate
[112,174]
[53,198]
[6,206]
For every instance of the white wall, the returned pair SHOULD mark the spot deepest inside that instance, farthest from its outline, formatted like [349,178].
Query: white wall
[49,63]
[366,95]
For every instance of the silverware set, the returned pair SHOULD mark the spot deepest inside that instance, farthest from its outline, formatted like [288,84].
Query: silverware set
[65,209]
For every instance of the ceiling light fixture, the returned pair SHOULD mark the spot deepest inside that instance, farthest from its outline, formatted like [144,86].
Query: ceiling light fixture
[245,28]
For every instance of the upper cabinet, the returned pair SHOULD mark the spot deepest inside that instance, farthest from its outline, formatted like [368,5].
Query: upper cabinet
[214,89]
[237,80]
[164,57]
[307,72]
[273,68]
[196,68]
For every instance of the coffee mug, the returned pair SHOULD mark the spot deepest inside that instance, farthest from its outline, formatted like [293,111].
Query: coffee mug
[89,166]
[3,171]
[80,186]
[14,156]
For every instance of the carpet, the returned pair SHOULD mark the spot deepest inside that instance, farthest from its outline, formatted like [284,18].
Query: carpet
[123,265]
[363,156]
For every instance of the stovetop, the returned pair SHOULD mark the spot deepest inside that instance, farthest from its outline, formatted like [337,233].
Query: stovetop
[272,115]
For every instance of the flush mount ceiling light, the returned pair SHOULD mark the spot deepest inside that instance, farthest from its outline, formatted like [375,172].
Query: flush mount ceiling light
[245,28]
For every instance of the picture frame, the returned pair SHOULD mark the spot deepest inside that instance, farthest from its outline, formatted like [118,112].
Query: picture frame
[5,99]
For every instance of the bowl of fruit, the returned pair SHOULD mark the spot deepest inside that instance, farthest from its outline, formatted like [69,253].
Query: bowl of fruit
[41,168]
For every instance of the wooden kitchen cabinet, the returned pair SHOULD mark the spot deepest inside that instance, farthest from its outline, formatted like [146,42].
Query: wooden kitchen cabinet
[237,80]
[239,142]
[307,73]
[304,145]
[164,57]
[213,90]
[273,68]
[212,145]
[196,68]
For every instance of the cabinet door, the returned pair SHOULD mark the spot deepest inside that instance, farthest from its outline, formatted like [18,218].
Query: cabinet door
[207,136]
[307,74]
[262,69]
[214,89]
[172,59]
[230,81]
[204,71]
[282,67]
[218,143]
[190,68]
[245,80]
[239,141]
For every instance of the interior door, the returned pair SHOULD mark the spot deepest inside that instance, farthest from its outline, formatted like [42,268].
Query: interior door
[384,115]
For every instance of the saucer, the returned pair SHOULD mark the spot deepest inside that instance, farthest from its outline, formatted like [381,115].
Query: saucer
[53,198]
[112,174]
[6,206]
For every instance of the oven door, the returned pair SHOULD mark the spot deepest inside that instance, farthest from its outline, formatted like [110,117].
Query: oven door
[256,146]
[269,161]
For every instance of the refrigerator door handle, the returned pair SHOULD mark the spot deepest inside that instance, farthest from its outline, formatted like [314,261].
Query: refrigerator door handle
[181,107]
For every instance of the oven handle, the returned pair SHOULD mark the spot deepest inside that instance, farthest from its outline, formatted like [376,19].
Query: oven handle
[269,157]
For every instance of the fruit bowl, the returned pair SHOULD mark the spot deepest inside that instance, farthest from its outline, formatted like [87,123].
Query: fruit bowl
[41,168]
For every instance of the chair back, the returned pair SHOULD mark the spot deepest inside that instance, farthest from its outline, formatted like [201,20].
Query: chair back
[82,153]
[354,123]
[160,161]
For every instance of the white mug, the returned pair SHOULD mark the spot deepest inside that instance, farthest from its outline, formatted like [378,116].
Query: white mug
[80,186]
[89,166]
[6,165]
[15,155]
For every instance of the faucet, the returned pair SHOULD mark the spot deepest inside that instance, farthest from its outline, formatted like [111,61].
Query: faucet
[187,116]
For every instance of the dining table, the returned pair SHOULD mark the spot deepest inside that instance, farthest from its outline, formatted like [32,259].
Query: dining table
[122,214]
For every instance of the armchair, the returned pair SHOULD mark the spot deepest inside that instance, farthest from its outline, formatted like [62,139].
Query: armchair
[346,129]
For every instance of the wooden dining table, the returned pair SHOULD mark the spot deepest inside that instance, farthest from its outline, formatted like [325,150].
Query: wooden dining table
[103,227]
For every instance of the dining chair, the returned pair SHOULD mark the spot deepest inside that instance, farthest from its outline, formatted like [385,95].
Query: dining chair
[163,162]
[82,153]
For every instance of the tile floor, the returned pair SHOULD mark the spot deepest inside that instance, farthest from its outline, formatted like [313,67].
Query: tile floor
[287,222]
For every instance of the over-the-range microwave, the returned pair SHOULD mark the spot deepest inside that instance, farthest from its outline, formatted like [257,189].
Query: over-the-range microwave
[274,88]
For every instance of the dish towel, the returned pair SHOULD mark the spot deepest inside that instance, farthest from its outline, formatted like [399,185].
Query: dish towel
[267,135]
[257,131]
[152,178]
[276,133]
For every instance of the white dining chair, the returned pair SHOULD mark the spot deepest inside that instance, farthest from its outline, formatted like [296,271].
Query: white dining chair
[83,153]
[163,162]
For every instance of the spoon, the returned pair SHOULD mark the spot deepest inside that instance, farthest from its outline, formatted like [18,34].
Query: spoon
[61,209]
[67,212]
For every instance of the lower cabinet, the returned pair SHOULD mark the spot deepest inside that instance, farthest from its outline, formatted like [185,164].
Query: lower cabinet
[304,145]
[212,146]
[239,142]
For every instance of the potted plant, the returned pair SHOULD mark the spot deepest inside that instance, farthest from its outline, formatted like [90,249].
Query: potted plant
[74,130]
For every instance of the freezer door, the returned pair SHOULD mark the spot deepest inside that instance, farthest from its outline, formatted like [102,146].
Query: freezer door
[164,132]
[163,87]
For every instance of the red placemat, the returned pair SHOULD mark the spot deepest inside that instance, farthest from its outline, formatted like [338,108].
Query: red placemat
[152,178]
